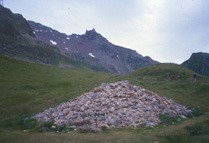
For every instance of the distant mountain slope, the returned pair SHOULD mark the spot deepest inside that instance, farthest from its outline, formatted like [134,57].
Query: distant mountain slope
[12,27]
[92,50]
[198,62]
[17,40]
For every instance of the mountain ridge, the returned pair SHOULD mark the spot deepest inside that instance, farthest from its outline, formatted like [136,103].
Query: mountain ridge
[198,62]
[93,50]
[34,42]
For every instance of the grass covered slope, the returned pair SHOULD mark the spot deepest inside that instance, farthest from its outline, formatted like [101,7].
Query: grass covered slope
[180,87]
[30,88]
[26,89]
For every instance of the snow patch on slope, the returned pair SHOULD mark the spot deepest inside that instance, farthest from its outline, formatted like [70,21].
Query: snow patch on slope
[90,54]
[53,42]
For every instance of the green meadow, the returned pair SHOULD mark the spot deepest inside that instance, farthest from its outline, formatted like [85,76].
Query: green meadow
[29,88]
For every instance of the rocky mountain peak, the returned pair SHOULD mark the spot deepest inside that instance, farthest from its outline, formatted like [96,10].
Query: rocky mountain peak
[93,35]
[93,31]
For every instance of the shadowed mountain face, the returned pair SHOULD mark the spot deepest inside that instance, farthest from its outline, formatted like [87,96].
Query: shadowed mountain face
[12,27]
[17,40]
[92,50]
[198,62]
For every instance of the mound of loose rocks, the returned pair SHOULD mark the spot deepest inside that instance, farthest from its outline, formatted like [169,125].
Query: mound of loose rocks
[112,105]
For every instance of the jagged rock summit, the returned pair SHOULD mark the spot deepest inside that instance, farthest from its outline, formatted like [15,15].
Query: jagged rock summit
[113,105]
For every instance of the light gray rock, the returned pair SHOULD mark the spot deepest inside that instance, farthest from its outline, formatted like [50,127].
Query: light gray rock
[112,109]
[119,104]
[112,122]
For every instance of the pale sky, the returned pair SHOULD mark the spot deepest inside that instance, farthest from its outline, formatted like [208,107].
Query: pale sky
[165,30]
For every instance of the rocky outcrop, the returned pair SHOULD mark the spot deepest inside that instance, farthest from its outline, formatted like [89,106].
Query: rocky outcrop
[113,105]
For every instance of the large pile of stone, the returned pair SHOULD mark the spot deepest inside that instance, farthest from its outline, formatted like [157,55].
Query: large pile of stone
[119,104]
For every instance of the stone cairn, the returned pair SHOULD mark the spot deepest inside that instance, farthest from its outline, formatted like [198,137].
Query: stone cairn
[112,105]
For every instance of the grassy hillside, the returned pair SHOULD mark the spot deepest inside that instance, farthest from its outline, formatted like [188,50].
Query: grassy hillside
[180,87]
[27,88]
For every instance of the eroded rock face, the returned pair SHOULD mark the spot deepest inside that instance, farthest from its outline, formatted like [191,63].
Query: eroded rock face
[119,104]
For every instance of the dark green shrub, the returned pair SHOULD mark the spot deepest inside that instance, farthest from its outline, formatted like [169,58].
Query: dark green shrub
[166,119]
[83,130]
[45,126]
[104,128]
[30,124]
[61,128]
[196,112]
